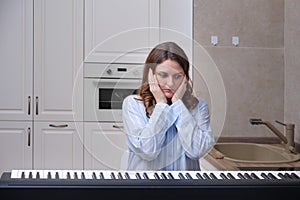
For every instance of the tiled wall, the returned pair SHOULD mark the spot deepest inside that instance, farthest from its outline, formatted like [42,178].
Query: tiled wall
[292,66]
[253,72]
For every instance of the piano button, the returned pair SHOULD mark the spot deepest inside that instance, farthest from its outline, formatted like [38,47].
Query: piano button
[223,176]
[199,176]
[23,175]
[294,176]
[94,175]
[287,175]
[281,176]
[75,175]
[37,175]
[211,175]
[30,175]
[188,176]
[145,175]
[49,175]
[241,176]
[230,176]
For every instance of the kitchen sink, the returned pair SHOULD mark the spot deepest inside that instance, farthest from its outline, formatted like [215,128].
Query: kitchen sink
[253,153]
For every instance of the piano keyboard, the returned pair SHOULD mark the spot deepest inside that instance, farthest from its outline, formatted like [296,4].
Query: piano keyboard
[150,175]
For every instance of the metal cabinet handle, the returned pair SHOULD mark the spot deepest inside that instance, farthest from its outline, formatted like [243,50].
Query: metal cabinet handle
[28,136]
[117,126]
[58,126]
[36,105]
[29,103]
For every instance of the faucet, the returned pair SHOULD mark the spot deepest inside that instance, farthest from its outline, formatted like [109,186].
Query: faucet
[289,131]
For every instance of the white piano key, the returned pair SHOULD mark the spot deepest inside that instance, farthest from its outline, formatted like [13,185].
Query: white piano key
[15,174]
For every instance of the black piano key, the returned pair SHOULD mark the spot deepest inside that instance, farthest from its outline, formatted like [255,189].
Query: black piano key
[38,175]
[271,176]
[294,176]
[287,175]
[156,175]
[241,176]
[101,176]
[163,176]
[181,176]
[145,175]
[170,175]
[247,176]
[281,176]
[198,175]
[75,175]
[112,175]
[127,175]
[56,175]
[254,176]
[205,175]
[30,175]
[188,176]
[68,175]
[82,175]
[223,176]
[138,176]
[94,175]
[265,176]
[49,175]
[120,175]
[23,175]
[211,175]
[230,176]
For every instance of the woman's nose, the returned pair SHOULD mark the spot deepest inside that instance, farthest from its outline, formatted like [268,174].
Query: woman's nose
[170,81]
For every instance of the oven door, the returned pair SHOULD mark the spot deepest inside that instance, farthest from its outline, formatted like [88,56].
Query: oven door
[103,98]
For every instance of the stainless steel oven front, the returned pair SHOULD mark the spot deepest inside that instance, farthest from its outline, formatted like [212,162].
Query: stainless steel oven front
[105,87]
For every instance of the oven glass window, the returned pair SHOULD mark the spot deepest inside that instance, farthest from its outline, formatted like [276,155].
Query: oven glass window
[113,98]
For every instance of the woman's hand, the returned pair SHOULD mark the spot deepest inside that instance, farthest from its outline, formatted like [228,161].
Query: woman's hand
[155,89]
[180,91]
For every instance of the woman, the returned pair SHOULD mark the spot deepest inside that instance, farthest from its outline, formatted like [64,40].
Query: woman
[167,127]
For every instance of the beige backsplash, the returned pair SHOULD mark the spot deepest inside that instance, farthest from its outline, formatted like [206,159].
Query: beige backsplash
[261,75]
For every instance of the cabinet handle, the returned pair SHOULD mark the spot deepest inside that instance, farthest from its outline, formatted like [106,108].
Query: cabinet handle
[28,136]
[36,105]
[29,103]
[117,126]
[58,126]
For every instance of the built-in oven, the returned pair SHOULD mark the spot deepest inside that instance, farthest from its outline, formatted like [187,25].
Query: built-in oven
[105,87]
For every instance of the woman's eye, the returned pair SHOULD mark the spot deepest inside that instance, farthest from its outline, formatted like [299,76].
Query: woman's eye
[178,76]
[162,75]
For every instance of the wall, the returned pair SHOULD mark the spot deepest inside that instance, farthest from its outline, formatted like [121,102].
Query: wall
[292,68]
[253,72]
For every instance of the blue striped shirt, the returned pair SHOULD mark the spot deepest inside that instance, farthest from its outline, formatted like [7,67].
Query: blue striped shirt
[173,138]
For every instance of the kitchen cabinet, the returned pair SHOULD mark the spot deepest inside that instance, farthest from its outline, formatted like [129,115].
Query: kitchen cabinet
[120,31]
[16,55]
[104,146]
[16,145]
[41,81]
[58,145]
[58,57]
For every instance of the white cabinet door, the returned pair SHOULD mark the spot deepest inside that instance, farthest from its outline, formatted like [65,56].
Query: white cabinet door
[58,56]
[121,31]
[15,145]
[104,146]
[58,145]
[16,56]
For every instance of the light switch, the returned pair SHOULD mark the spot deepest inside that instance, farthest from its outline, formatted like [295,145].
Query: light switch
[235,41]
[214,40]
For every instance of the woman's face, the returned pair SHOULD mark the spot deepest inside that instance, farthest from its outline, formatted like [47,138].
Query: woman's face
[169,75]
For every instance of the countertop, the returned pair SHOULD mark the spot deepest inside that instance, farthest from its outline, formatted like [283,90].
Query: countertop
[225,165]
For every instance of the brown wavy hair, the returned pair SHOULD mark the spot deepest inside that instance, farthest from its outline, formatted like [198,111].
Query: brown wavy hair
[160,53]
